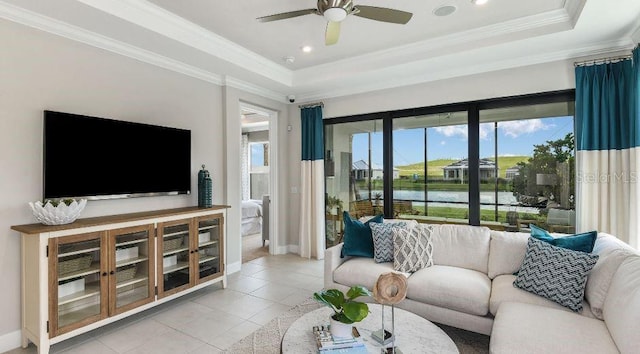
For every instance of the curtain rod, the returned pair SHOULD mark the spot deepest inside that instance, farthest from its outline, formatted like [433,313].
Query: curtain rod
[602,60]
[309,105]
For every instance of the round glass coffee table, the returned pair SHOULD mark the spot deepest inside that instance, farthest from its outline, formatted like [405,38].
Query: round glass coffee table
[413,333]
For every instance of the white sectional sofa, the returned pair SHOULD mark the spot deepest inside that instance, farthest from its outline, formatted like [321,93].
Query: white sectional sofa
[470,286]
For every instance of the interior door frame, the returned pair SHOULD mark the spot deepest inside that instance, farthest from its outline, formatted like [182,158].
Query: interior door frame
[273,172]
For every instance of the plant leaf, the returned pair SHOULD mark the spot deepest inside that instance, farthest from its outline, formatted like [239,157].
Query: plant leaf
[332,297]
[355,311]
[357,291]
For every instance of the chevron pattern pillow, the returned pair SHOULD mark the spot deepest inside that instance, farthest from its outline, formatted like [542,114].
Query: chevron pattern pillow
[383,240]
[555,273]
[412,248]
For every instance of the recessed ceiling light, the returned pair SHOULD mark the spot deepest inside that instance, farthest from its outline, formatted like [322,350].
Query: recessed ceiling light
[444,10]
[307,49]
[479,2]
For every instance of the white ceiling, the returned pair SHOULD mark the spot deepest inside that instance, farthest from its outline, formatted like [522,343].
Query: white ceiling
[221,42]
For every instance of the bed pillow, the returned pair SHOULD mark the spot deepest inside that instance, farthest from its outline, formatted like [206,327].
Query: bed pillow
[556,273]
[583,242]
[357,237]
[383,240]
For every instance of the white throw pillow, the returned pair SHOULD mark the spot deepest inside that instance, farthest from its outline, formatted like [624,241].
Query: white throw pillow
[412,248]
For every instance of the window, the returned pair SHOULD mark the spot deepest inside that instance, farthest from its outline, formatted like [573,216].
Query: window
[258,169]
[431,173]
[505,163]
[531,148]
[354,173]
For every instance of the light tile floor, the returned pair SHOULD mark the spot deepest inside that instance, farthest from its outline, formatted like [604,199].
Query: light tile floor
[208,320]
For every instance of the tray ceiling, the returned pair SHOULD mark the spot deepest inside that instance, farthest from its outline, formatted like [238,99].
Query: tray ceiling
[221,41]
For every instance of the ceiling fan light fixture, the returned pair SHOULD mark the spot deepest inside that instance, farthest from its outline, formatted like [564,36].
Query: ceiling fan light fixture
[335,14]
[479,2]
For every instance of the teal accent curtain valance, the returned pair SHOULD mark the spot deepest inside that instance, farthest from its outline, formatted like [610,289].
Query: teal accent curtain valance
[606,113]
[312,134]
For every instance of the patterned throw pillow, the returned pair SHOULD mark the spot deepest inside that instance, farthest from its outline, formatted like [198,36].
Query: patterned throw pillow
[383,240]
[556,273]
[412,248]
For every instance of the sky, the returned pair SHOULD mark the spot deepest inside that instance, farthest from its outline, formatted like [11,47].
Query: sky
[515,137]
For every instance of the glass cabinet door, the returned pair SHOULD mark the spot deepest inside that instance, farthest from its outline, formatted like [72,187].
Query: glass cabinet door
[78,281]
[131,268]
[175,252]
[209,248]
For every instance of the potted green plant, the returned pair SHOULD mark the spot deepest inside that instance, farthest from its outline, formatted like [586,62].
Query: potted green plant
[346,310]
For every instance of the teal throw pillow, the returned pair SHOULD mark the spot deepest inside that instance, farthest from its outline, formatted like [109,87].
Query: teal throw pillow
[357,237]
[583,242]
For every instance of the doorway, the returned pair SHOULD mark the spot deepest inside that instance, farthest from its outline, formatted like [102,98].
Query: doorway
[257,179]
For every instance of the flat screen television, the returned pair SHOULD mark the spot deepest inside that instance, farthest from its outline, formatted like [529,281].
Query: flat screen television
[97,158]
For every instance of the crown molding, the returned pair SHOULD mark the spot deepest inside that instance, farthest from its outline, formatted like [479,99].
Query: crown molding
[254,89]
[462,39]
[574,9]
[155,18]
[47,24]
[400,75]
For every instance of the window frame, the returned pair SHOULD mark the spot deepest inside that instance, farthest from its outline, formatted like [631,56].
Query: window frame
[473,109]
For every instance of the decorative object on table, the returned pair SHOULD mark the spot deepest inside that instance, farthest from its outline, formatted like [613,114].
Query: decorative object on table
[346,310]
[326,343]
[63,212]
[389,289]
[205,189]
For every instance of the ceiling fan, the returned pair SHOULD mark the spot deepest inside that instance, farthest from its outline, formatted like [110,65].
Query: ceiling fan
[335,11]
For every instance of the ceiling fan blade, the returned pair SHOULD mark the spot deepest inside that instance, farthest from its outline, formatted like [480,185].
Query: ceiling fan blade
[286,15]
[332,34]
[383,14]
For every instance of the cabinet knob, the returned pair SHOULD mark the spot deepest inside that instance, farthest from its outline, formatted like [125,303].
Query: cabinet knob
[112,272]
[104,274]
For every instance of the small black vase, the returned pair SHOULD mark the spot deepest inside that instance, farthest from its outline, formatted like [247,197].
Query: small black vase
[205,189]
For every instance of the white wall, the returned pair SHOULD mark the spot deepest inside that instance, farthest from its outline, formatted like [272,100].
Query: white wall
[519,81]
[40,71]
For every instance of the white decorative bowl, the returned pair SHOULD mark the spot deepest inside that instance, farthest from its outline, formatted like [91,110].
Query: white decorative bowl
[60,215]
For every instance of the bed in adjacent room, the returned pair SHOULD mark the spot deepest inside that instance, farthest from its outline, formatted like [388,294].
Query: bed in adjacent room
[251,217]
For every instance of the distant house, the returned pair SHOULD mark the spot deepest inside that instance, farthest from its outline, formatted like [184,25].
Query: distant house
[459,170]
[512,172]
[361,171]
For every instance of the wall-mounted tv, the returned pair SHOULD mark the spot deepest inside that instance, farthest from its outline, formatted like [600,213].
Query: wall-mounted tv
[97,158]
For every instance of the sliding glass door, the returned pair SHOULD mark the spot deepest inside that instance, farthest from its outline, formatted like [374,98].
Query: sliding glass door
[354,173]
[430,166]
[503,163]
[532,151]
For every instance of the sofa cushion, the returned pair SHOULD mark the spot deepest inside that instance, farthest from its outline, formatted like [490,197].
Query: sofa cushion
[357,237]
[502,290]
[361,271]
[622,306]
[461,246]
[556,273]
[583,242]
[506,252]
[600,278]
[454,288]
[606,242]
[412,248]
[383,239]
[527,328]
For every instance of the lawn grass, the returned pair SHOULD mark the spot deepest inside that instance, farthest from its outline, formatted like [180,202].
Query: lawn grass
[434,167]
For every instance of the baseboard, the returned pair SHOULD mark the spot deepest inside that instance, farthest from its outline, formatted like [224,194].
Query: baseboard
[233,267]
[10,341]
